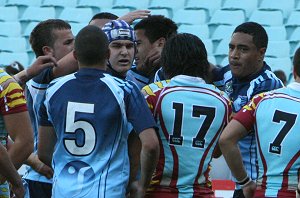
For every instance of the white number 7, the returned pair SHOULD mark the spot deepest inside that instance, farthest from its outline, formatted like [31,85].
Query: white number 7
[72,125]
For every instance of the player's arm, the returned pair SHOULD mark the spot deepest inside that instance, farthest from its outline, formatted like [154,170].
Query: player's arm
[46,143]
[228,142]
[41,63]
[19,128]
[134,151]
[10,173]
[34,162]
[136,14]
[65,66]
[148,158]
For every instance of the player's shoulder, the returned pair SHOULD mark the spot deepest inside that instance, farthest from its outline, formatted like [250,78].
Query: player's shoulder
[153,88]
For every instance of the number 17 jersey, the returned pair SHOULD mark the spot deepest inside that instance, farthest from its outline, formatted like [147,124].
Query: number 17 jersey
[190,115]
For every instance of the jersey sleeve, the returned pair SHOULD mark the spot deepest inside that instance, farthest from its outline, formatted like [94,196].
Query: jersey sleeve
[137,111]
[12,99]
[246,116]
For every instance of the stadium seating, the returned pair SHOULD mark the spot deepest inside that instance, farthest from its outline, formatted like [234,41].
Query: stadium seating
[9,13]
[284,64]
[222,32]
[202,31]
[117,11]
[13,44]
[278,49]
[267,18]
[76,15]
[248,6]
[10,29]
[190,17]
[132,4]
[165,12]
[76,27]
[208,5]
[168,4]
[38,14]
[276,33]
[285,7]
[227,17]
[95,4]
[26,3]
[9,57]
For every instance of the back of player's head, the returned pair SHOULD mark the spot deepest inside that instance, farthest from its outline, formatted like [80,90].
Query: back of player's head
[118,30]
[296,62]
[91,46]
[260,36]
[184,54]
[14,68]
[157,26]
[104,15]
[42,35]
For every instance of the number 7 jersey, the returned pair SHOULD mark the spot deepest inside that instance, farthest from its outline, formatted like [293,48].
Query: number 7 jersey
[190,115]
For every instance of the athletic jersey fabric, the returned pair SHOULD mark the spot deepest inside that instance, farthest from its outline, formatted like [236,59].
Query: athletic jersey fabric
[275,115]
[35,90]
[190,115]
[240,93]
[91,111]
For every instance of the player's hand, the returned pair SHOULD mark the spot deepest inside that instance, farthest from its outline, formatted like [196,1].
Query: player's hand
[137,14]
[41,63]
[152,61]
[42,168]
[249,190]
[136,190]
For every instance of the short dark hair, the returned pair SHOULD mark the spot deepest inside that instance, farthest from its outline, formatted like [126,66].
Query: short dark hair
[260,36]
[296,62]
[104,15]
[157,26]
[42,34]
[281,75]
[184,54]
[91,46]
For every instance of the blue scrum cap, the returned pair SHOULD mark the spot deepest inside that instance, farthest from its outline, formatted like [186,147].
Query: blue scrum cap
[118,30]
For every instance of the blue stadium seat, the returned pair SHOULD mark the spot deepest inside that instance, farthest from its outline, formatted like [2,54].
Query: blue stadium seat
[286,7]
[76,15]
[276,33]
[267,18]
[165,12]
[38,14]
[26,3]
[2,2]
[117,11]
[208,5]
[9,13]
[222,32]
[12,44]
[76,27]
[227,17]
[202,31]
[293,19]
[208,46]
[190,17]
[59,3]
[278,49]
[132,4]
[295,36]
[248,6]
[284,64]
[221,50]
[10,29]
[167,4]
[8,57]
[225,61]
[96,5]
[27,31]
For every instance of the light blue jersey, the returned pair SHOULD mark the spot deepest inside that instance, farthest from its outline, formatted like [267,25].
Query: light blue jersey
[91,112]
[191,115]
[276,117]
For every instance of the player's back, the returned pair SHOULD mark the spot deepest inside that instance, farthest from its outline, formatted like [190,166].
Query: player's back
[277,129]
[90,157]
[190,115]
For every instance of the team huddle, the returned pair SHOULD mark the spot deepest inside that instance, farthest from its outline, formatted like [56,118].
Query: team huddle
[122,111]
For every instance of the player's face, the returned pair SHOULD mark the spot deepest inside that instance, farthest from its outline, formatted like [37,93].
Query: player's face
[143,48]
[121,55]
[244,58]
[99,22]
[64,43]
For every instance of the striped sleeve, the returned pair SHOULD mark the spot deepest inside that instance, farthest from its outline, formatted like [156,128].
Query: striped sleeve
[12,99]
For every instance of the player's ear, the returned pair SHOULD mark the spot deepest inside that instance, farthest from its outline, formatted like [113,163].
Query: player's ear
[47,50]
[160,42]
[75,54]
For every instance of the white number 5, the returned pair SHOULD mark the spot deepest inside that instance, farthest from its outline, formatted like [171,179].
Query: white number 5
[72,125]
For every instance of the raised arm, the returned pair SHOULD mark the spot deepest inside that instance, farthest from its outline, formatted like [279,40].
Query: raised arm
[132,16]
